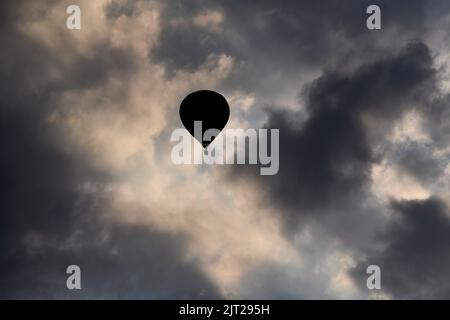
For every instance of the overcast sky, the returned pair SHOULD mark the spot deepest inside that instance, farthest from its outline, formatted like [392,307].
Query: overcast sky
[86,176]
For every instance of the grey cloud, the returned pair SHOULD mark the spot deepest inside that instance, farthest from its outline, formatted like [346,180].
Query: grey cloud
[326,154]
[415,259]
[437,113]
[47,221]
[43,212]
[276,43]
[419,161]
[326,149]
[327,160]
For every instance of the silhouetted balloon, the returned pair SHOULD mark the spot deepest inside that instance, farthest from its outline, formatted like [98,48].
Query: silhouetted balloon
[207,106]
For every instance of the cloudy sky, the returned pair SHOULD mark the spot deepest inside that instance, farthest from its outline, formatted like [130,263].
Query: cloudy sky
[87,179]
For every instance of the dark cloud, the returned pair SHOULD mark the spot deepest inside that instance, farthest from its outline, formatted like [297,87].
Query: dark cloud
[368,81]
[415,260]
[47,221]
[46,224]
[275,43]
[183,45]
[328,150]
[327,160]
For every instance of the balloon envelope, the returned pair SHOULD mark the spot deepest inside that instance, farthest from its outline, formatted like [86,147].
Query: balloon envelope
[209,107]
